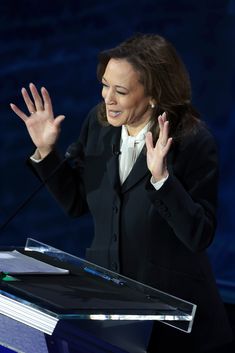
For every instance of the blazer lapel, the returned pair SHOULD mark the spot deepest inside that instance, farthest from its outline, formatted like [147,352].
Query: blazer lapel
[112,139]
[139,171]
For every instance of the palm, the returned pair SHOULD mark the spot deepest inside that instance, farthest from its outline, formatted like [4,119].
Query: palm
[155,156]
[42,129]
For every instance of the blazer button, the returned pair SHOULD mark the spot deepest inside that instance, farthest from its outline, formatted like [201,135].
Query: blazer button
[115,209]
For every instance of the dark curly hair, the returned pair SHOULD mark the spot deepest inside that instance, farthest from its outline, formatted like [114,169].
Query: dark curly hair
[164,77]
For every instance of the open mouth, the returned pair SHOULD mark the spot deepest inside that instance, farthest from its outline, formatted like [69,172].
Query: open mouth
[113,113]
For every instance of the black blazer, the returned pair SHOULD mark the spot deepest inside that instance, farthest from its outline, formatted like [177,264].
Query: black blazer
[156,237]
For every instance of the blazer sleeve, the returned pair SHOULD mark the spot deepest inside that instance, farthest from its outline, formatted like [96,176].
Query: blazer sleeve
[66,184]
[188,198]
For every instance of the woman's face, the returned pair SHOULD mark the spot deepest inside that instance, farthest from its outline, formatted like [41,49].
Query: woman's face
[124,96]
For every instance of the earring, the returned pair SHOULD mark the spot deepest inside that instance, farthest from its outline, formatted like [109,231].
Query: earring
[152,105]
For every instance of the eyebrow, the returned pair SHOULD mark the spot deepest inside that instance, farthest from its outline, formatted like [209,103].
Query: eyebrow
[117,86]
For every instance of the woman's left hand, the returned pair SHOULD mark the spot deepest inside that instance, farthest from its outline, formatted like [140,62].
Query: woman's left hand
[156,156]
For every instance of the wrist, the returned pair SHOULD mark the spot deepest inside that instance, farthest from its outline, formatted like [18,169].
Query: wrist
[156,178]
[43,152]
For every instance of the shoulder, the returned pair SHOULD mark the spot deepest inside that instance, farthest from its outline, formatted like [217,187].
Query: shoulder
[92,129]
[199,137]
[92,115]
[196,150]
[91,121]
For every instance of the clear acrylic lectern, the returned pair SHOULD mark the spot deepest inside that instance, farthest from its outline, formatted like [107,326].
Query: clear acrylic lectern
[101,308]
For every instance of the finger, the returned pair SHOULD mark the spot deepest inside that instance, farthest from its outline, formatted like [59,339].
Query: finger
[165,133]
[164,118]
[160,124]
[30,105]
[47,101]
[18,112]
[166,129]
[58,120]
[161,120]
[168,145]
[36,96]
[149,140]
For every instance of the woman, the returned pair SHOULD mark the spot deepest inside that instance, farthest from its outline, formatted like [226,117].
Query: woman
[147,156]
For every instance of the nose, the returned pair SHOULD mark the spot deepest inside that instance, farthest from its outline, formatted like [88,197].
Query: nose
[109,96]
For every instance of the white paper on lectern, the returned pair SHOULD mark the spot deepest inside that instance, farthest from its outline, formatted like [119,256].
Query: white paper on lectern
[13,262]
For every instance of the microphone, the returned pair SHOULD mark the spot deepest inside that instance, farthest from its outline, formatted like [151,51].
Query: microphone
[115,151]
[72,151]
[70,154]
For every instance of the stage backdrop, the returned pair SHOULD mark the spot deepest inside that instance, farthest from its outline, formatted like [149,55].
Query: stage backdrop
[55,44]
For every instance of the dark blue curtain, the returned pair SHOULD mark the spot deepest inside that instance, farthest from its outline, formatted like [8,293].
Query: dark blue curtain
[55,44]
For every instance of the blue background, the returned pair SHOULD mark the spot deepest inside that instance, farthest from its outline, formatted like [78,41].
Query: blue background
[55,44]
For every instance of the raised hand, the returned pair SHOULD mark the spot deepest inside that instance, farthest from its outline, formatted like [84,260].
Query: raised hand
[43,128]
[156,155]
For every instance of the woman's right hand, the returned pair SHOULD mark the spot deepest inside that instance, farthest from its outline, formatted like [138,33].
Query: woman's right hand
[43,128]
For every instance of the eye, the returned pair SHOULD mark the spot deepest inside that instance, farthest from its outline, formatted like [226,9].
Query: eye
[122,93]
[118,92]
